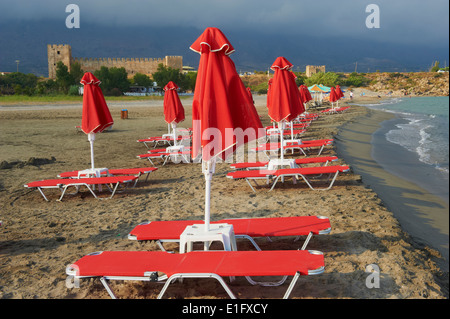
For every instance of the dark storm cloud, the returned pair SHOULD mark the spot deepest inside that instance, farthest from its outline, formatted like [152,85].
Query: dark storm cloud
[404,21]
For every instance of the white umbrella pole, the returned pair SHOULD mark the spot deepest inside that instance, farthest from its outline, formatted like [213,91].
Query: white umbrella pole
[208,171]
[91,138]
[174,126]
[280,127]
[292,130]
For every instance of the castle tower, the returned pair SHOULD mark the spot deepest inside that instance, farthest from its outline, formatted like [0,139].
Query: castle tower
[56,53]
[312,69]
[175,62]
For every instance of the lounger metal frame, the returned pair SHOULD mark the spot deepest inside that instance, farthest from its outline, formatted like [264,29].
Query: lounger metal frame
[77,183]
[160,242]
[152,276]
[295,176]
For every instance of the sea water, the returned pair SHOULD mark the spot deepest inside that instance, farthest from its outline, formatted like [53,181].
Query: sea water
[422,128]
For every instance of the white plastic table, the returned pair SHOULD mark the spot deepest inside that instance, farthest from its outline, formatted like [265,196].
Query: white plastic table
[217,232]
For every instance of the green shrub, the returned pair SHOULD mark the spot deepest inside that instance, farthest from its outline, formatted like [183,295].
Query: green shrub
[73,90]
[327,79]
[356,80]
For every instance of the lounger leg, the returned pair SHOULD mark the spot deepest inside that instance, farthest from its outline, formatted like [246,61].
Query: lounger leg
[307,241]
[321,149]
[161,246]
[135,182]
[104,281]
[42,193]
[91,190]
[274,183]
[334,178]
[266,284]
[250,239]
[291,286]
[321,189]
[248,182]
[63,192]
[151,162]
[114,191]
[181,275]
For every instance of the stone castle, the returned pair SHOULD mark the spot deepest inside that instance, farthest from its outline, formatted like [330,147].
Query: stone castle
[63,53]
[312,69]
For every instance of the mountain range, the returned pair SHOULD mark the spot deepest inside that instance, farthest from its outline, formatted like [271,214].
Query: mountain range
[27,42]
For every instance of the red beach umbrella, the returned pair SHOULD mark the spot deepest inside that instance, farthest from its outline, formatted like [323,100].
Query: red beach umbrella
[333,96]
[221,104]
[284,104]
[95,116]
[339,92]
[306,93]
[249,91]
[269,89]
[173,109]
[221,100]
[285,101]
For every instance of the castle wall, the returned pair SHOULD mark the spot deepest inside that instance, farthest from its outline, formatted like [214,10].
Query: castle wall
[132,65]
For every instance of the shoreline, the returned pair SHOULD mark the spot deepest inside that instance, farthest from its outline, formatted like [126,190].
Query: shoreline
[422,214]
[38,239]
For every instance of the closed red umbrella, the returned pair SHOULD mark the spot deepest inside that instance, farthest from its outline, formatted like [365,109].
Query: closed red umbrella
[306,93]
[249,91]
[221,104]
[95,116]
[333,96]
[285,101]
[269,89]
[339,92]
[173,109]
[284,104]
[303,95]
[221,100]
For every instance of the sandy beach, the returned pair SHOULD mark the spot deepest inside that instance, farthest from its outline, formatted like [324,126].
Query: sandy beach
[38,239]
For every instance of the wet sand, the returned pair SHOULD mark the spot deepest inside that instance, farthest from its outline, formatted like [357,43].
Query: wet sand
[421,213]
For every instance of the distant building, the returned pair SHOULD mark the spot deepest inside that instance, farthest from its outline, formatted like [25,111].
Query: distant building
[312,69]
[187,69]
[63,53]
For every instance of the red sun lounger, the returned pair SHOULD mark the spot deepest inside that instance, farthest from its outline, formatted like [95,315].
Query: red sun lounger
[164,150]
[64,183]
[305,145]
[163,157]
[336,110]
[248,228]
[157,140]
[298,161]
[138,172]
[303,172]
[288,126]
[145,266]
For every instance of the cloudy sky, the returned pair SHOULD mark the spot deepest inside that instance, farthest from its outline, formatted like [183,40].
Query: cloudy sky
[400,20]
[404,22]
